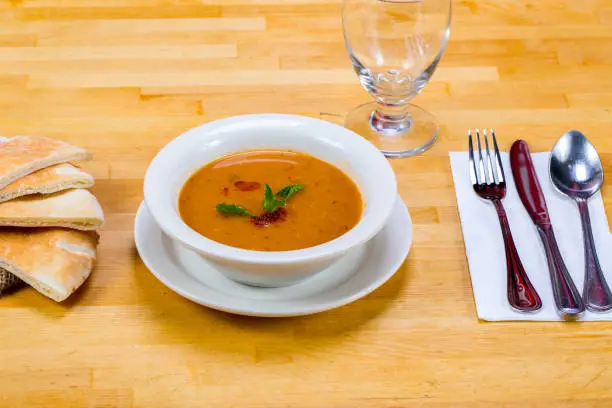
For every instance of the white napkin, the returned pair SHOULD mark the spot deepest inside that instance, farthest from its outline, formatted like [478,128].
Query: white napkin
[485,248]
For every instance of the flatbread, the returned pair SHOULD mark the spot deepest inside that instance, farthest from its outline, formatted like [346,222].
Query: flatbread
[47,181]
[76,208]
[52,260]
[22,155]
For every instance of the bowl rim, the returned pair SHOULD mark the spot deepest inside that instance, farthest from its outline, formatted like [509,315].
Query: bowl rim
[225,252]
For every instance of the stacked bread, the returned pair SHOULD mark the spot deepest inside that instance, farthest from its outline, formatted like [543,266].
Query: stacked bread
[48,218]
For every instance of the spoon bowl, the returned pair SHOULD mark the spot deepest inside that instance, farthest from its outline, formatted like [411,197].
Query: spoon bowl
[575,167]
[576,171]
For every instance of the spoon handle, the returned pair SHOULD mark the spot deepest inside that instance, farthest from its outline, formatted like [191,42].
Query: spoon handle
[596,293]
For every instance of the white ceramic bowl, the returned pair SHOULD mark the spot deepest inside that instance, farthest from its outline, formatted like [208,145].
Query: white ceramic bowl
[359,159]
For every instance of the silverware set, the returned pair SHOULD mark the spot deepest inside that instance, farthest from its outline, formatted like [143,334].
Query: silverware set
[576,171]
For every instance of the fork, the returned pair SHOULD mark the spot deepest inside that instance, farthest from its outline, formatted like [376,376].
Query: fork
[489,183]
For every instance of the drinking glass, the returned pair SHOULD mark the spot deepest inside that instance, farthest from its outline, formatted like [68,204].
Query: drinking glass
[395,47]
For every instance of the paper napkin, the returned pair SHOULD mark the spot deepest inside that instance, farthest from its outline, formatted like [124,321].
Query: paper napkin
[485,248]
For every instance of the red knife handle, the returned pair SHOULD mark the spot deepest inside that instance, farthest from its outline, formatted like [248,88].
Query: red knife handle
[527,184]
[567,298]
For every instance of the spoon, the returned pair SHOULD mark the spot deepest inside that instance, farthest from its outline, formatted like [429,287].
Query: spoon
[576,171]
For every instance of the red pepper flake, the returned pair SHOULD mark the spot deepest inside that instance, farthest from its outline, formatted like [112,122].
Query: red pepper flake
[247,185]
[225,191]
[265,219]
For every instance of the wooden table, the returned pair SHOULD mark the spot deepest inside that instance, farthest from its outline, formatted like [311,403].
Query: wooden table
[122,78]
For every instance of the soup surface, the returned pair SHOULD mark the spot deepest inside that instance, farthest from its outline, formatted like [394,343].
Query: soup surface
[328,205]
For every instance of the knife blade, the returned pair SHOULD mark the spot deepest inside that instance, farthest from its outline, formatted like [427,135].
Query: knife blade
[567,298]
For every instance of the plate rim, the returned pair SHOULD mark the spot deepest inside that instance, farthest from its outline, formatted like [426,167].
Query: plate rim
[316,308]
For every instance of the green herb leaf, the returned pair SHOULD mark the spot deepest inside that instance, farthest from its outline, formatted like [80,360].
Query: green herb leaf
[232,209]
[288,191]
[269,203]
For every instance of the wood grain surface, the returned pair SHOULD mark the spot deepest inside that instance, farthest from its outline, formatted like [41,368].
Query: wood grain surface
[124,77]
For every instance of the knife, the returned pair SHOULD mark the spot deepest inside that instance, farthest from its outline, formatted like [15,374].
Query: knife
[567,298]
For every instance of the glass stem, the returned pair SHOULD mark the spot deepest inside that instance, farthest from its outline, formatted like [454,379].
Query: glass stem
[391,119]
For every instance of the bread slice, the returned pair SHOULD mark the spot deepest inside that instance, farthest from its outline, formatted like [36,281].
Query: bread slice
[76,208]
[46,181]
[52,260]
[22,155]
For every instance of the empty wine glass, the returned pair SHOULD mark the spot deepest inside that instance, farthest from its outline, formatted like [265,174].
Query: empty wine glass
[395,46]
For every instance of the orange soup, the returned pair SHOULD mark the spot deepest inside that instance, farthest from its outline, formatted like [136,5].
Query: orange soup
[270,201]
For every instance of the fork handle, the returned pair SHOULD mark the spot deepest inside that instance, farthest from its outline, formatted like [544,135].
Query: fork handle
[522,296]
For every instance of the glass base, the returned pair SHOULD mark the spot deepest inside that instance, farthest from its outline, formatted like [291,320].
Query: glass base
[401,139]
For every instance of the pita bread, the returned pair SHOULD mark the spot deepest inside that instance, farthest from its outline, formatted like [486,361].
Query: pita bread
[54,261]
[46,181]
[22,155]
[76,208]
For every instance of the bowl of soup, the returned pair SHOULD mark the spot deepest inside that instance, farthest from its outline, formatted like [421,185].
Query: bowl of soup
[270,199]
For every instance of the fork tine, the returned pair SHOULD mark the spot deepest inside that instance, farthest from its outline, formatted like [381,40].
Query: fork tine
[473,175]
[491,171]
[498,162]
[481,172]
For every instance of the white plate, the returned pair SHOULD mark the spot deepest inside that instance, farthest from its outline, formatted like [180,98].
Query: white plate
[358,273]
